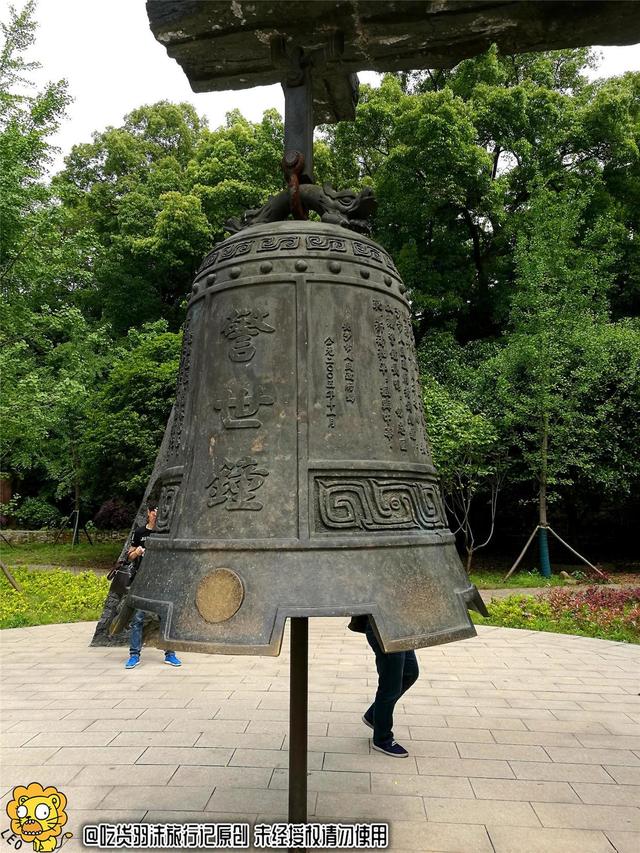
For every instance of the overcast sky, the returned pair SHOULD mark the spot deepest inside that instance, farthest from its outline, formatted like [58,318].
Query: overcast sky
[112,62]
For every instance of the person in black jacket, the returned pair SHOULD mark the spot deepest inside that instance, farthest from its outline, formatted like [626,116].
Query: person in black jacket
[135,555]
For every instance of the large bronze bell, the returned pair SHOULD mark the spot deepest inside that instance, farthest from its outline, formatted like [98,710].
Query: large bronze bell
[295,478]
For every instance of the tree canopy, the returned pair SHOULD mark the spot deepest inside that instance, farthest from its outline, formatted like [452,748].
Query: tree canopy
[509,196]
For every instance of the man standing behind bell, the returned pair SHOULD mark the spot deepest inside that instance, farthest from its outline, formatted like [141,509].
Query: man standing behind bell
[397,672]
[135,555]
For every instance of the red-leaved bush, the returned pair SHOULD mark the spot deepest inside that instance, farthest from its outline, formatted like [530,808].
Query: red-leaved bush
[597,605]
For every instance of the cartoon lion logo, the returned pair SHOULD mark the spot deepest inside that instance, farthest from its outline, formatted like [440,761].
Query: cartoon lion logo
[38,815]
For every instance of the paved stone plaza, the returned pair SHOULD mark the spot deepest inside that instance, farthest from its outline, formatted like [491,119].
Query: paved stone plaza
[520,742]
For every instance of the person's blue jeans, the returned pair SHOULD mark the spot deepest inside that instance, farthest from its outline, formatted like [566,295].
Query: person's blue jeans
[135,643]
[397,671]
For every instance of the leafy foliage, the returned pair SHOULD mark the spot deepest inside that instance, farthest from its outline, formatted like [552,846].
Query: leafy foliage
[612,614]
[50,597]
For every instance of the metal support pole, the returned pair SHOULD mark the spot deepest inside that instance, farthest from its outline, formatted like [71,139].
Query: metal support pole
[573,551]
[298,120]
[298,702]
[76,527]
[522,553]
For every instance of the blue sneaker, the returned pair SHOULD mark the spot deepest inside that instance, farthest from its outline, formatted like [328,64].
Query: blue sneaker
[367,721]
[391,748]
[134,660]
[171,659]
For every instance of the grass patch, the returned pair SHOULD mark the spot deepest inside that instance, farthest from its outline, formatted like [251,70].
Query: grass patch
[51,597]
[495,580]
[101,555]
[610,614]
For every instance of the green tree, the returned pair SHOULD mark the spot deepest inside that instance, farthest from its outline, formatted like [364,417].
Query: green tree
[129,412]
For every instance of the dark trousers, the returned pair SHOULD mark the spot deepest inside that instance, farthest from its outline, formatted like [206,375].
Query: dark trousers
[135,643]
[397,671]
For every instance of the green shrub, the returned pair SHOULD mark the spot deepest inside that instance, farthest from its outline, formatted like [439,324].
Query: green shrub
[32,513]
[49,597]
[595,612]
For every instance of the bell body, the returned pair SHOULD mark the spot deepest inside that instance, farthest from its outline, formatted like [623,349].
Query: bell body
[296,478]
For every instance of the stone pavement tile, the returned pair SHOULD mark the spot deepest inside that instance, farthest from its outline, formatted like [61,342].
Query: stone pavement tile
[592,755]
[85,796]
[519,713]
[508,751]
[552,772]
[204,755]
[451,734]
[431,748]
[74,701]
[422,786]
[141,700]
[369,806]
[538,738]
[494,812]
[34,727]
[102,815]
[96,755]
[486,723]
[632,706]
[159,797]
[225,777]
[282,727]
[576,726]
[18,715]
[215,726]
[595,717]
[14,740]
[326,780]
[535,840]
[632,729]
[615,795]
[131,774]
[376,762]
[22,774]
[124,725]
[246,740]
[261,801]
[71,739]
[197,817]
[105,714]
[358,729]
[271,758]
[571,816]
[34,755]
[624,842]
[156,739]
[610,741]
[168,714]
[622,775]
[480,767]
[359,746]
[526,791]
[441,837]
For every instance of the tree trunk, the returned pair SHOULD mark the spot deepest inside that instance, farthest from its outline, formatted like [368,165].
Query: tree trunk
[469,560]
[543,543]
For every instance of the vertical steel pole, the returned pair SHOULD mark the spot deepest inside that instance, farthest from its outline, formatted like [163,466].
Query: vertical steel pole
[298,702]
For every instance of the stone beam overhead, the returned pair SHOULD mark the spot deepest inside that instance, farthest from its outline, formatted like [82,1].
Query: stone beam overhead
[238,44]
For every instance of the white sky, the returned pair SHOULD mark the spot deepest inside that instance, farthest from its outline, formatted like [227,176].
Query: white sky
[112,62]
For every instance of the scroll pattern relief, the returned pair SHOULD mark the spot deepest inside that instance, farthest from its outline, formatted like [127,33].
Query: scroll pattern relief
[166,506]
[378,503]
[400,395]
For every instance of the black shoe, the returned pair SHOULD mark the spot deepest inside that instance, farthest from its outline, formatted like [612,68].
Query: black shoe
[392,749]
[367,721]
